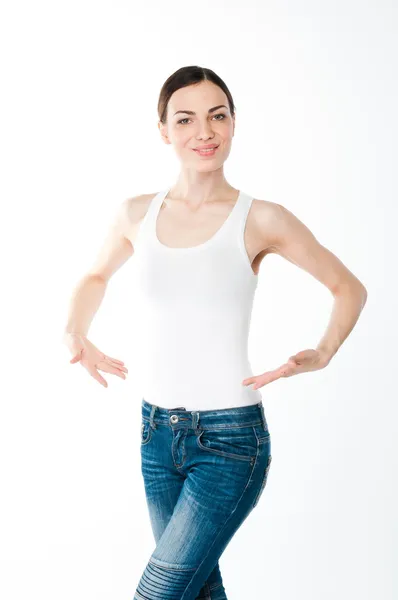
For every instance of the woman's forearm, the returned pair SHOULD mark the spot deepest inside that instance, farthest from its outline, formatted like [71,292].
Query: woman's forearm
[348,304]
[85,301]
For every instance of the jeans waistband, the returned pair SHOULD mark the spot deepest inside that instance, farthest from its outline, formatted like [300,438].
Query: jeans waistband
[242,416]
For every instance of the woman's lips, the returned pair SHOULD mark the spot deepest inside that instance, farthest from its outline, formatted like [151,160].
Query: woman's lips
[205,153]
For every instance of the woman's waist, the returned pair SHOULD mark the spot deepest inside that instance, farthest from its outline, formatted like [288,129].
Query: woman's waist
[213,412]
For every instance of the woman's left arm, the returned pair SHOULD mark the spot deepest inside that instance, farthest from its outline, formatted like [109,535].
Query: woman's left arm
[287,236]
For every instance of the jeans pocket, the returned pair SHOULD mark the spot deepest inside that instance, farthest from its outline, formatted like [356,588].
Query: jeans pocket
[264,481]
[238,442]
[146,432]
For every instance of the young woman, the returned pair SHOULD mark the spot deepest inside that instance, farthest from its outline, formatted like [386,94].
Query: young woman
[198,245]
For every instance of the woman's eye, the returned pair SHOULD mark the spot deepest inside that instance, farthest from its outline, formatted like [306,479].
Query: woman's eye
[217,115]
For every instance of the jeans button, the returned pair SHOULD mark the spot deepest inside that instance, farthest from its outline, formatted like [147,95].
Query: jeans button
[174,418]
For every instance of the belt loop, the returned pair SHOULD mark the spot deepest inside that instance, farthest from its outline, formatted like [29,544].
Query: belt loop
[265,426]
[151,421]
[195,419]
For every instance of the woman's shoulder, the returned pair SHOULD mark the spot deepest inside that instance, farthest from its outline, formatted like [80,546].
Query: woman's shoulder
[137,206]
[263,213]
[264,219]
[134,210]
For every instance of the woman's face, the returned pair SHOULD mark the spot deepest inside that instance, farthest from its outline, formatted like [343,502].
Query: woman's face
[197,127]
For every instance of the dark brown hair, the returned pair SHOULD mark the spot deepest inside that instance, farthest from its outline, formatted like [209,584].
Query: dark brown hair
[189,76]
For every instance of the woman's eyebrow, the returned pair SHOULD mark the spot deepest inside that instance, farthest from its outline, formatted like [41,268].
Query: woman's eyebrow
[191,112]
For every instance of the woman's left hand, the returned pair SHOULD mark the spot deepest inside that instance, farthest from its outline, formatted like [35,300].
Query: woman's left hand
[306,360]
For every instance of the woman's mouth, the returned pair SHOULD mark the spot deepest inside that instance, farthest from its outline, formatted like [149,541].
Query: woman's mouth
[208,152]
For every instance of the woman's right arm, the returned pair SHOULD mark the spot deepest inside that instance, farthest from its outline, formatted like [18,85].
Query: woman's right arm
[89,293]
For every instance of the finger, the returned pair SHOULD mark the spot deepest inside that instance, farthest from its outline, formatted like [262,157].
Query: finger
[249,380]
[266,375]
[266,378]
[108,368]
[287,367]
[261,379]
[94,373]
[287,372]
[117,365]
[274,375]
[76,358]
[120,362]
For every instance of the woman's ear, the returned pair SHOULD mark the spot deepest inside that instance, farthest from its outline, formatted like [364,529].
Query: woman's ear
[163,132]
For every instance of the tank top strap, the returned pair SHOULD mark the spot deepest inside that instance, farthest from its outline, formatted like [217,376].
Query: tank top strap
[236,221]
[243,208]
[147,226]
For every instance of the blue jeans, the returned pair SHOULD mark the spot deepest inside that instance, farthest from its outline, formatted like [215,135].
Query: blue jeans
[204,472]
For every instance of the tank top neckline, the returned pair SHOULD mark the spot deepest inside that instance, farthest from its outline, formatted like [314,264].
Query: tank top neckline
[198,247]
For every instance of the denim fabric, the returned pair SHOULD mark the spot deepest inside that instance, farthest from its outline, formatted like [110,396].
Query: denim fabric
[204,472]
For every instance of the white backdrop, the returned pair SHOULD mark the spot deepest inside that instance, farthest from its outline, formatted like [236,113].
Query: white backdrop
[315,89]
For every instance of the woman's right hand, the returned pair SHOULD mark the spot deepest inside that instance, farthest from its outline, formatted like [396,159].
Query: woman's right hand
[91,358]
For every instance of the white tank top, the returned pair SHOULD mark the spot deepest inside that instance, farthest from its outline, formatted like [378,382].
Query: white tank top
[195,308]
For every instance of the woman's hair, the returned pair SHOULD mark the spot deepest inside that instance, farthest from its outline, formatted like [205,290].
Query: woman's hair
[189,76]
